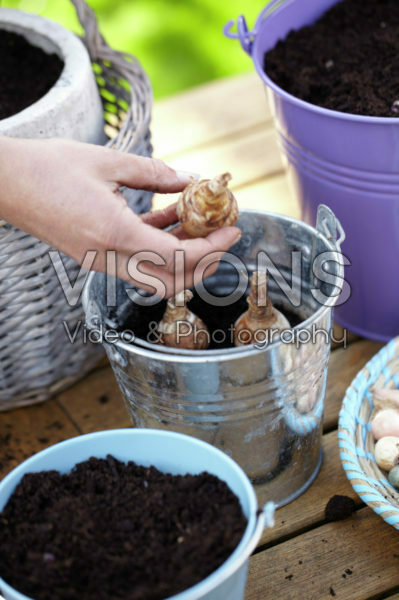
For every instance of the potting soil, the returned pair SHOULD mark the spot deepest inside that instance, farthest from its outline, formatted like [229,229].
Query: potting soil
[111,530]
[26,73]
[347,61]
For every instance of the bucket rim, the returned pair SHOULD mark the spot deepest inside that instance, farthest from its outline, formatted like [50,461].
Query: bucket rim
[255,519]
[260,25]
[145,349]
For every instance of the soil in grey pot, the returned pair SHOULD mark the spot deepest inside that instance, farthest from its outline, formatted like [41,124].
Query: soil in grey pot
[27,73]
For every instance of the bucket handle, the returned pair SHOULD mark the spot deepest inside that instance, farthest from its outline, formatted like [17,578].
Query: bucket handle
[243,34]
[328,224]
[268,514]
[265,518]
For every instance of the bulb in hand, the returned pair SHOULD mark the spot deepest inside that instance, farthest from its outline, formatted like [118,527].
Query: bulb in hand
[207,205]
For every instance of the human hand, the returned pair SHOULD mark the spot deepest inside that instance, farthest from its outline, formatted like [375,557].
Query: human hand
[67,194]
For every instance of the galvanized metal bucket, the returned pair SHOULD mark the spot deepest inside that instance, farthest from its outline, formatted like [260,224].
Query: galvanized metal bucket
[261,404]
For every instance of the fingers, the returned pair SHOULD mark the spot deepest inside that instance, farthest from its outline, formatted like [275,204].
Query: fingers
[179,232]
[161,218]
[164,218]
[176,264]
[143,244]
[148,173]
[218,241]
[204,254]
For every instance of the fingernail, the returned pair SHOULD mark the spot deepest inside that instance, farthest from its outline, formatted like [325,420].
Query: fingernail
[238,237]
[187,177]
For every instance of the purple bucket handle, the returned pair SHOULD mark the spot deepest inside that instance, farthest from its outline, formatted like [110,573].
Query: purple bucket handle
[243,34]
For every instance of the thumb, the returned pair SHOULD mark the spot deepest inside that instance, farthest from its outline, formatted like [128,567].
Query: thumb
[219,241]
[150,174]
[224,238]
[204,254]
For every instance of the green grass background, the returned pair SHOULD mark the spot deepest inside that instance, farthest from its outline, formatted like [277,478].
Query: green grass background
[179,42]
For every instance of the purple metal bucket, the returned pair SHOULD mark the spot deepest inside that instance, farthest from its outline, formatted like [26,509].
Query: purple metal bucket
[350,163]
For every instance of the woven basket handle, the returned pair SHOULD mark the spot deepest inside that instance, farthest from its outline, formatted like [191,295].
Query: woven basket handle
[136,125]
[92,37]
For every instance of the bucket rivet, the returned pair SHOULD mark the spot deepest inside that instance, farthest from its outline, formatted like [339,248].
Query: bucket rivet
[95,321]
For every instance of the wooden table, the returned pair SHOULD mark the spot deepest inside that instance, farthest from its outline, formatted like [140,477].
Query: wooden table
[222,126]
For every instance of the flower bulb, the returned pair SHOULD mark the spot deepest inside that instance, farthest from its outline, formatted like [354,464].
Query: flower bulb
[181,328]
[261,322]
[207,205]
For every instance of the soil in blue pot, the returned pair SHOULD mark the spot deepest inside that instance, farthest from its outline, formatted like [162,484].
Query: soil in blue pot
[111,530]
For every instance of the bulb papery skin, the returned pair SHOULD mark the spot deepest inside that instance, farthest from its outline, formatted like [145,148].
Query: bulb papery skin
[385,398]
[262,323]
[181,328]
[206,206]
[257,331]
[385,423]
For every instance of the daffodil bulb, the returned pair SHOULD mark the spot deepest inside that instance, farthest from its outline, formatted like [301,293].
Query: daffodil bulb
[207,205]
[181,328]
[261,323]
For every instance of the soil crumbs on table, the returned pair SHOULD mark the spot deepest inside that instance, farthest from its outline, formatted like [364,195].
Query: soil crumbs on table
[339,507]
[347,61]
[27,73]
[111,530]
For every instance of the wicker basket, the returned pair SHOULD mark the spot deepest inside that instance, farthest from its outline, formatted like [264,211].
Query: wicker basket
[356,441]
[36,359]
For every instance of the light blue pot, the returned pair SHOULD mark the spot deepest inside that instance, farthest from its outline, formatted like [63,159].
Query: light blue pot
[169,452]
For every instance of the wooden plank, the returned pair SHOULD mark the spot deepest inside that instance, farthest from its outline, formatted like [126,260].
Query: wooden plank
[249,159]
[353,559]
[344,365]
[207,113]
[95,403]
[25,431]
[342,337]
[308,510]
[272,194]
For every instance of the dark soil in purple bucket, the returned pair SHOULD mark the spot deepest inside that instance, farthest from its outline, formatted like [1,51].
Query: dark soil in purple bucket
[142,321]
[110,530]
[347,61]
[27,73]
